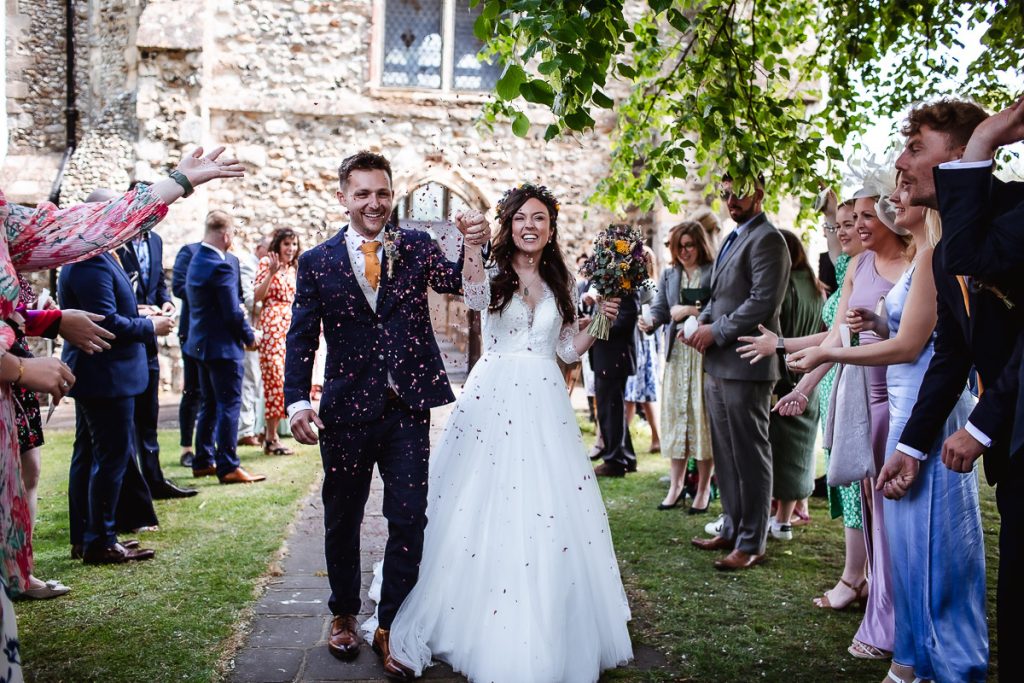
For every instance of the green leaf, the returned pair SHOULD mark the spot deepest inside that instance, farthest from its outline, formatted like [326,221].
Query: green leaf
[508,85]
[548,67]
[579,120]
[521,125]
[602,100]
[538,92]
[626,70]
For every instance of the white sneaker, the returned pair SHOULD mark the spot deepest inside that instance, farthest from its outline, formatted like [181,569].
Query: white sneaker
[715,528]
[781,532]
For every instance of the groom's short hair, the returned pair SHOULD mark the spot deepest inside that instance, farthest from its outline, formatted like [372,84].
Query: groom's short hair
[362,161]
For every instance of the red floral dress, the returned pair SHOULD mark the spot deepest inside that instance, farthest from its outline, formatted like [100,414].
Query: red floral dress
[37,239]
[275,319]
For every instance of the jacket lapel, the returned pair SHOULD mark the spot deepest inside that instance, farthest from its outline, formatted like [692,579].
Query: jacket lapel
[348,274]
[120,273]
[735,247]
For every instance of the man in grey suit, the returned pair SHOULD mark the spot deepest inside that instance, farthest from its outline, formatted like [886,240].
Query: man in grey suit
[747,287]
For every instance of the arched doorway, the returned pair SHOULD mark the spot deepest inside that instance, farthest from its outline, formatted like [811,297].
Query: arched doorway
[430,207]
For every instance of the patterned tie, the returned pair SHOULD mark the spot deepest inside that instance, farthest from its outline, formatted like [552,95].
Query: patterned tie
[369,250]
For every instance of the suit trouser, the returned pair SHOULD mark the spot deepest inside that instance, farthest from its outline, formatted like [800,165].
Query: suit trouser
[147,417]
[220,382]
[399,443]
[134,505]
[1010,593]
[609,393]
[738,412]
[110,426]
[250,416]
[191,398]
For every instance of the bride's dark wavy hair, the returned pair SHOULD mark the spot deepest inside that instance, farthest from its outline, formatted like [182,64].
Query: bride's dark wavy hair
[552,264]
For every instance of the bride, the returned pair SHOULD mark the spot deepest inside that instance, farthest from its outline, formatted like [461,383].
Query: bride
[518,580]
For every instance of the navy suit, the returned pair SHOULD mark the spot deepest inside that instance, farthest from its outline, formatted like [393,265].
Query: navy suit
[613,361]
[367,422]
[105,389]
[150,289]
[188,409]
[217,333]
[983,237]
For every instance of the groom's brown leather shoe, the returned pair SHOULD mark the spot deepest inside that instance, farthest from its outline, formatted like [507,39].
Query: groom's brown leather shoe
[392,669]
[738,559]
[344,639]
[716,543]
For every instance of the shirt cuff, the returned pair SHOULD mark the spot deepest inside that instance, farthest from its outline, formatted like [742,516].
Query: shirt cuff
[980,436]
[297,406]
[912,452]
[957,164]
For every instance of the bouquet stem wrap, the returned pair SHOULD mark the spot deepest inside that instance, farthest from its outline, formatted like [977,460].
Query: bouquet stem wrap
[600,326]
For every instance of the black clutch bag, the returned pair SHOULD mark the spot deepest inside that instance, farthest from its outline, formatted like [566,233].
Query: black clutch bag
[694,296]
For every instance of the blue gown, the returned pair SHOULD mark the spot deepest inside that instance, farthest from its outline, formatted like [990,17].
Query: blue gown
[936,548]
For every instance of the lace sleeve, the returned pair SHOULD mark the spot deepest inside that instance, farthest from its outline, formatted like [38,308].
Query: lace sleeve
[477,294]
[567,337]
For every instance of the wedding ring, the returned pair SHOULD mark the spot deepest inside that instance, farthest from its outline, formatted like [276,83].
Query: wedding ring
[65,385]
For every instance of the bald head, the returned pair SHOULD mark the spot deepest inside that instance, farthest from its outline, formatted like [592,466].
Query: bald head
[101,194]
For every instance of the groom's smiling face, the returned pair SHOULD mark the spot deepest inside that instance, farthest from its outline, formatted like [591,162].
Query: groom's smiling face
[367,196]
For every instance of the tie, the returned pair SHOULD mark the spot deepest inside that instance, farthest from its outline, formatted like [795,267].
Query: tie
[369,250]
[728,243]
[964,284]
[142,249]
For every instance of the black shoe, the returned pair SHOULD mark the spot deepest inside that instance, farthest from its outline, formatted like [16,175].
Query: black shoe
[631,466]
[675,503]
[610,469]
[169,490]
[698,511]
[186,459]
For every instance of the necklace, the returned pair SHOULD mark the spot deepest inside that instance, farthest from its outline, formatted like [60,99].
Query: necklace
[526,288]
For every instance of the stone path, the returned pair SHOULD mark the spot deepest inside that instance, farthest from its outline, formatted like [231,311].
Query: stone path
[287,642]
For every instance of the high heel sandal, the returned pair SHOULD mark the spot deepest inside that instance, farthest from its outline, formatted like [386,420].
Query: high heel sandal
[860,596]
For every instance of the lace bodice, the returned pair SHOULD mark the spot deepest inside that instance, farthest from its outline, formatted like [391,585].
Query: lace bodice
[520,329]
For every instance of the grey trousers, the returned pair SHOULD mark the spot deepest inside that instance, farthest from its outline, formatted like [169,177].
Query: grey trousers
[738,416]
[250,417]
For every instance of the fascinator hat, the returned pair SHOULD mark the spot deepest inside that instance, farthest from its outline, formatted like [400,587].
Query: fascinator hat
[878,180]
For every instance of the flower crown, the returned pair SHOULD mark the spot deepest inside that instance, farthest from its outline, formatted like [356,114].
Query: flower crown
[530,190]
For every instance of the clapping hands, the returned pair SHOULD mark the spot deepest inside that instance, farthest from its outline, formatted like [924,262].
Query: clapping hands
[474,228]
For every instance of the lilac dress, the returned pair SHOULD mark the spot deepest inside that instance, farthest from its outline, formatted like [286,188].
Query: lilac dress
[877,627]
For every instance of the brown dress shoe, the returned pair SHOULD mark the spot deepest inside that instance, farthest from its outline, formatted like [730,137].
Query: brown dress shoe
[252,440]
[738,559]
[716,543]
[117,554]
[205,471]
[607,469]
[392,668]
[343,642]
[240,476]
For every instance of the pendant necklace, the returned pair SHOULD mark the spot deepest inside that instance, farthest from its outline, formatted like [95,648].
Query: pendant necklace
[526,288]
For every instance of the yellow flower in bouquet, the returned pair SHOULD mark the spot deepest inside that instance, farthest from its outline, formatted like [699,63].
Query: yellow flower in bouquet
[622,246]
[618,267]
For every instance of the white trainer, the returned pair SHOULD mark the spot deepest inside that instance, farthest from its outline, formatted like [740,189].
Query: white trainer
[715,528]
[781,532]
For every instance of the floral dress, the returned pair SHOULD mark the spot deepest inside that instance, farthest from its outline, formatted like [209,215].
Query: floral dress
[274,323]
[842,500]
[36,239]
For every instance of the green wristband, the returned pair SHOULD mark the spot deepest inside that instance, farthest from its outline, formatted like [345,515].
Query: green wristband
[180,178]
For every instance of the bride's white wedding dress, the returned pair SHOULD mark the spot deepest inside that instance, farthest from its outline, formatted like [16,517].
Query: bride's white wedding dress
[519,580]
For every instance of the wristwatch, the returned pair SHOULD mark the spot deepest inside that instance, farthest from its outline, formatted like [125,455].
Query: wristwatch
[180,178]
[780,346]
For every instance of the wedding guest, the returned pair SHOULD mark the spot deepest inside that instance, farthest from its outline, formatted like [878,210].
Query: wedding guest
[142,259]
[250,416]
[684,287]
[976,327]
[218,335]
[747,287]
[275,289]
[793,438]
[191,396]
[939,576]
[642,386]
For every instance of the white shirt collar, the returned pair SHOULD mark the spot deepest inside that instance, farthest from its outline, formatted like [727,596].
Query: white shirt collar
[219,252]
[354,240]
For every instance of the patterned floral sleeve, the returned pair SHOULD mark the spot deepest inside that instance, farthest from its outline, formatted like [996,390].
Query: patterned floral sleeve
[46,237]
[7,338]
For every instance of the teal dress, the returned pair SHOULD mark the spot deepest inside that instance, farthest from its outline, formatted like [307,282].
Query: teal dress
[842,500]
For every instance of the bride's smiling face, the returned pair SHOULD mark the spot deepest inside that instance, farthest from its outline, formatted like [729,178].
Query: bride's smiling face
[531,227]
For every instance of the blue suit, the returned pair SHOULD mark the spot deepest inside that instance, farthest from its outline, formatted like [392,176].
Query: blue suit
[105,389]
[188,409]
[366,421]
[217,333]
[150,289]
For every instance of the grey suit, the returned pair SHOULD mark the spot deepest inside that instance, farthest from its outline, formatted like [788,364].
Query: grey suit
[747,287]
[667,297]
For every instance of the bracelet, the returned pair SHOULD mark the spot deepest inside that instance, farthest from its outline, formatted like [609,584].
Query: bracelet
[180,178]
[802,395]
[21,371]
[828,227]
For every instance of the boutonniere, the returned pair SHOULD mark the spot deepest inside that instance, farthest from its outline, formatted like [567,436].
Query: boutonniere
[392,240]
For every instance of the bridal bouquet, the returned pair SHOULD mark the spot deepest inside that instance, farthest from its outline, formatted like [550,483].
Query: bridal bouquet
[618,267]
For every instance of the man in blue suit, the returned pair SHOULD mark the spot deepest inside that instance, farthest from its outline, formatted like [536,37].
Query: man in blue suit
[217,336]
[105,393]
[142,258]
[191,398]
[367,287]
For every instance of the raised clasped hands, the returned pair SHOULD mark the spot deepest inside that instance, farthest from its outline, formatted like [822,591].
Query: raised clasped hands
[201,169]
[897,475]
[474,228]
[806,360]
[302,425]
[759,347]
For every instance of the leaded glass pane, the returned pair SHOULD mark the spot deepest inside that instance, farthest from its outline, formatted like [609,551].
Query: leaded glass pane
[469,73]
[412,43]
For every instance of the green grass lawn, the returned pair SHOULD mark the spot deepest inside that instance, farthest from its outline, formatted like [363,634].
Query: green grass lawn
[171,618]
[757,624]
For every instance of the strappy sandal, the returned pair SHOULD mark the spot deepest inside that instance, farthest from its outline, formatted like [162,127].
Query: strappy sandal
[860,596]
[276,448]
[862,650]
[893,676]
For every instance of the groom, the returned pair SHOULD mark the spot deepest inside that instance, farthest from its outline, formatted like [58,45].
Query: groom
[367,287]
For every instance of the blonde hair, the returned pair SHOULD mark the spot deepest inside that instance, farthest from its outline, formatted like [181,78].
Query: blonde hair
[933,222]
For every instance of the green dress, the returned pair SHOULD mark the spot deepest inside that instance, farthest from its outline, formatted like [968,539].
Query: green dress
[842,500]
[792,437]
